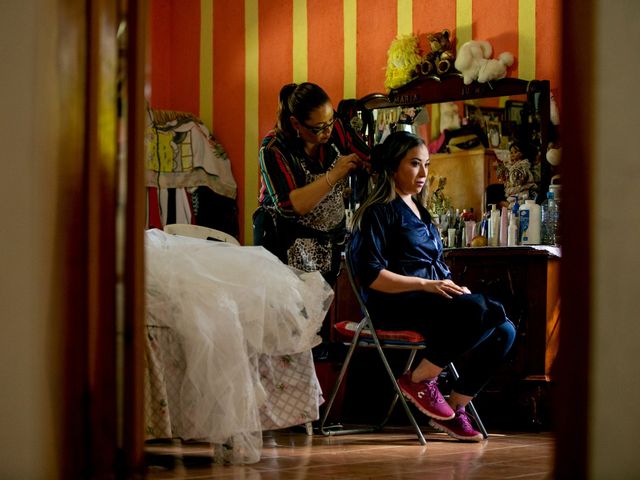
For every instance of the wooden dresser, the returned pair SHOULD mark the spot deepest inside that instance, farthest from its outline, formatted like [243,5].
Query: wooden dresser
[526,280]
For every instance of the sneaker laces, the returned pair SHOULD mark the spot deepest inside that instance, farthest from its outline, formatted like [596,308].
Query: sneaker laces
[464,418]
[431,386]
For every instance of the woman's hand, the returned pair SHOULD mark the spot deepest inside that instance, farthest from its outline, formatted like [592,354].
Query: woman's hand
[344,165]
[446,288]
[304,199]
[389,282]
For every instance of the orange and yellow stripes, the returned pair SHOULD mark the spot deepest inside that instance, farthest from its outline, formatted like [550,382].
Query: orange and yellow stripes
[226,61]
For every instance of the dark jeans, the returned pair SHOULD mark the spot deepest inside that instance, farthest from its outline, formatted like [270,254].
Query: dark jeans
[470,325]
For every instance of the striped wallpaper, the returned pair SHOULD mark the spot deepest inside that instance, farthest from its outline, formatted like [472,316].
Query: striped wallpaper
[226,61]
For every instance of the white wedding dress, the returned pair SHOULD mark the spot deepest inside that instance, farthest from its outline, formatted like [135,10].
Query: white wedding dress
[239,314]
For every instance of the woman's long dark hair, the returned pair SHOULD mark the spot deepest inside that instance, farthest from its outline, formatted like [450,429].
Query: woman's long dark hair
[298,100]
[385,160]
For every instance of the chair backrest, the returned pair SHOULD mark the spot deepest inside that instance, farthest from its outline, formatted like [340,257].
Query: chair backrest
[198,231]
[353,280]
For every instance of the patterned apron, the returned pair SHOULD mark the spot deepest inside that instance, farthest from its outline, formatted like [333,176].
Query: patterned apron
[319,254]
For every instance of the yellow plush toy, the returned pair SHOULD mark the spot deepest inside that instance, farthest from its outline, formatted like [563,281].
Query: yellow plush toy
[403,57]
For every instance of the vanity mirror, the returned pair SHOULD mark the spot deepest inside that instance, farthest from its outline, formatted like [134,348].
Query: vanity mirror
[478,153]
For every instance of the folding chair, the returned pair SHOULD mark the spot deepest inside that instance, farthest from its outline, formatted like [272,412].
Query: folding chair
[365,336]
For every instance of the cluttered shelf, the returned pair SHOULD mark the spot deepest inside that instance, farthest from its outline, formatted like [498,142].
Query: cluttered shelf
[425,90]
[529,127]
[451,87]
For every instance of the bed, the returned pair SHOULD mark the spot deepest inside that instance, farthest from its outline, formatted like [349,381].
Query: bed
[229,333]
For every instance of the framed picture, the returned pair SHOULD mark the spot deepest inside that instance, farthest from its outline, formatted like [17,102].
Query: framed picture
[489,119]
[513,117]
[494,133]
[513,111]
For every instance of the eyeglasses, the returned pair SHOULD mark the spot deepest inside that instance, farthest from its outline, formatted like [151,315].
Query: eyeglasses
[320,128]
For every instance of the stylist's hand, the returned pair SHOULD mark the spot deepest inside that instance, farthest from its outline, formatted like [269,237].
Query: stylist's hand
[446,288]
[345,164]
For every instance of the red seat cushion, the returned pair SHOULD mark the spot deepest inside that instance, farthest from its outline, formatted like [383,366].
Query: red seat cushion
[347,330]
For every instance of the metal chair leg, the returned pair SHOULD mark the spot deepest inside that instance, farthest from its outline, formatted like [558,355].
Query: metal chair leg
[394,402]
[398,392]
[367,320]
[398,395]
[471,406]
[323,429]
[336,386]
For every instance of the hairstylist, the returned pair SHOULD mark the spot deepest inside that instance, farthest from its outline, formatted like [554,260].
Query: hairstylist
[305,163]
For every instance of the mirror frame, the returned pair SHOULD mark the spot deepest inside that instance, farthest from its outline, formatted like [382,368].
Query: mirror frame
[425,90]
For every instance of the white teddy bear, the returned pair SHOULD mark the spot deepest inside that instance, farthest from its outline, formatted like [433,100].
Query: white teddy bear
[475,63]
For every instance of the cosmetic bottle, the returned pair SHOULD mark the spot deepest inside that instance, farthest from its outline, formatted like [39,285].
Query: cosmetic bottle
[504,226]
[530,223]
[494,226]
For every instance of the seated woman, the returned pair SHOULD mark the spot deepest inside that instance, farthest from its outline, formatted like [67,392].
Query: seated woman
[397,254]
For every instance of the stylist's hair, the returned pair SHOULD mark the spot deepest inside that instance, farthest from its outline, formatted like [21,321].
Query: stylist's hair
[385,160]
[298,100]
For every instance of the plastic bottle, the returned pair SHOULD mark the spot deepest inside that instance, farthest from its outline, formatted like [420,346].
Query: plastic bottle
[530,223]
[484,226]
[514,225]
[549,220]
[469,231]
[555,188]
[504,227]
[494,226]
[448,221]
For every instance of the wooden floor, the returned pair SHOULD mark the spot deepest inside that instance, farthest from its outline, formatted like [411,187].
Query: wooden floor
[395,453]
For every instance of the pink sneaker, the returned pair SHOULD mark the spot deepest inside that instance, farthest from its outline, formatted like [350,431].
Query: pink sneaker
[459,427]
[426,396]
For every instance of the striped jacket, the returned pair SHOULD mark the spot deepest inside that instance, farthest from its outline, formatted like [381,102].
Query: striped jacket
[281,170]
